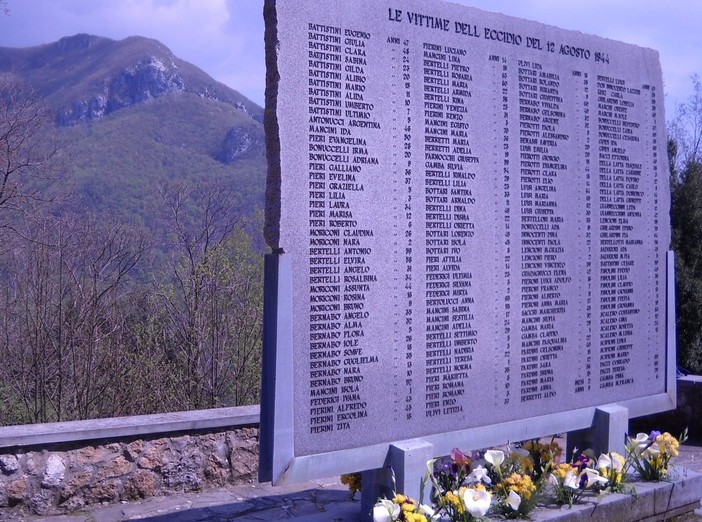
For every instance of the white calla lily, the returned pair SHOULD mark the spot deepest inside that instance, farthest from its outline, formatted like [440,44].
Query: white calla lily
[495,457]
[476,501]
[385,511]
[641,438]
[613,460]
[571,480]
[429,474]
[514,500]
[479,474]
[640,442]
[593,477]
[430,469]
[604,461]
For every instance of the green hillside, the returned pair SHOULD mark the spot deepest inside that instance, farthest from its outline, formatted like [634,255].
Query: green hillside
[121,161]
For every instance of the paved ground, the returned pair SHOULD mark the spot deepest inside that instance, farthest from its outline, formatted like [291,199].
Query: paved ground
[318,501]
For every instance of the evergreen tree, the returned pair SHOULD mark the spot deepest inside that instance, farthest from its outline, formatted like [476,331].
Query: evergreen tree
[686,221]
[685,160]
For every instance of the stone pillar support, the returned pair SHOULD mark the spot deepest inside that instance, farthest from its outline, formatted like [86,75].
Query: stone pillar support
[607,433]
[405,468]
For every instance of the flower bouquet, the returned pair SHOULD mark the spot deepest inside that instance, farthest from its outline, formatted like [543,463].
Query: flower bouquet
[514,483]
[459,492]
[570,481]
[508,483]
[650,455]
[612,466]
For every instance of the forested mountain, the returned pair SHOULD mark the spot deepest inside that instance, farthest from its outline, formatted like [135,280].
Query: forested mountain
[131,116]
[130,250]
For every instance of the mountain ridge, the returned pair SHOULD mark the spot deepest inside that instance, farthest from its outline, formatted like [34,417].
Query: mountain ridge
[134,117]
[79,82]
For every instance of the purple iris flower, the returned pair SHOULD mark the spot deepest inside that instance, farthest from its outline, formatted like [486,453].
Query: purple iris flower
[582,463]
[443,465]
[583,481]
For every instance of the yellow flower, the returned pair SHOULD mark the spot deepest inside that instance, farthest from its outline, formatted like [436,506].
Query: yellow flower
[452,500]
[544,452]
[554,449]
[614,477]
[522,485]
[617,461]
[527,464]
[399,499]
[668,444]
[353,481]
[562,470]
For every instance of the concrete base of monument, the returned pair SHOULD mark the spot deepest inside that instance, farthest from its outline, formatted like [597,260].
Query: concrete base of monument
[674,501]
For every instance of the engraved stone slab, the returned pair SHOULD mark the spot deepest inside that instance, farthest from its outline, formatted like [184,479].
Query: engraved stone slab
[476,210]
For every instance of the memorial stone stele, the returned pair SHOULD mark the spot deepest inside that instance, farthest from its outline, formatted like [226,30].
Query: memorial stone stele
[474,211]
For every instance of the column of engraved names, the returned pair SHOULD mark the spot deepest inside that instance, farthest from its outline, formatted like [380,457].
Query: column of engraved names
[448,198]
[340,277]
[325,120]
[543,263]
[621,221]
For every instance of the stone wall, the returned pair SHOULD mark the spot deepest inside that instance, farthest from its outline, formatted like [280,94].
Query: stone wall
[61,478]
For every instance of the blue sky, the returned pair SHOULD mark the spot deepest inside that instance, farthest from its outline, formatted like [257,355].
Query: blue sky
[225,37]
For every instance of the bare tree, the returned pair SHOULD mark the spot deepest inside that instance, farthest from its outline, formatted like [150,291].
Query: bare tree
[686,129]
[81,338]
[231,322]
[213,306]
[29,152]
[66,307]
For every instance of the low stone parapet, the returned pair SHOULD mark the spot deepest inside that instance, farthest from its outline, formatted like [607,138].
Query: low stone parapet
[61,477]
